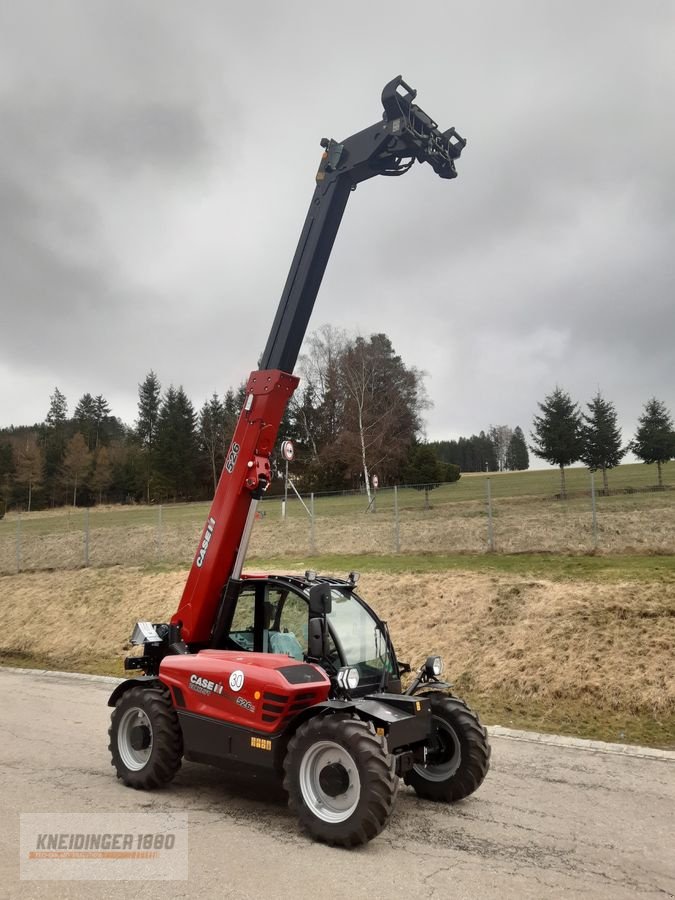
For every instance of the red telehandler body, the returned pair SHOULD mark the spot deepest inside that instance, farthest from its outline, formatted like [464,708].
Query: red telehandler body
[298,674]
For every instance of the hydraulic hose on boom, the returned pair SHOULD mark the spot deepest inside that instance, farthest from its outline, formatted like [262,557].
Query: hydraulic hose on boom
[389,147]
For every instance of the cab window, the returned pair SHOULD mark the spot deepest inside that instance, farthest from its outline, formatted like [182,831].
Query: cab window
[243,621]
[285,623]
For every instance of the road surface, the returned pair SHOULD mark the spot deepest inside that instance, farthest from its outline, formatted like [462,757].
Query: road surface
[549,821]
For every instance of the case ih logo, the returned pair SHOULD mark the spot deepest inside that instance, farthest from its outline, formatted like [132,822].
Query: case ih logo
[205,686]
[210,525]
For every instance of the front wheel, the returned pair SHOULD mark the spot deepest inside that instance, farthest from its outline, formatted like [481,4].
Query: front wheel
[458,752]
[146,743]
[341,780]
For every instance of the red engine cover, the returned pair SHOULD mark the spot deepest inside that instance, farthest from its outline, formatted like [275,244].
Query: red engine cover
[254,690]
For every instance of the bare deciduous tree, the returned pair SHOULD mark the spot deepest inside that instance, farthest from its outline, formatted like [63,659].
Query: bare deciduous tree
[76,462]
[101,477]
[501,435]
[29,466]
[384,400]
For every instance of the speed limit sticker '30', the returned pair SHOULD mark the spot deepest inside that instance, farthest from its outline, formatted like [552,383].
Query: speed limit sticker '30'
[236,680]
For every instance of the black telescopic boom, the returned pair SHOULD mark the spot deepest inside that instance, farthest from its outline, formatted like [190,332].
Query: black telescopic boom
[305,275]
[405,133]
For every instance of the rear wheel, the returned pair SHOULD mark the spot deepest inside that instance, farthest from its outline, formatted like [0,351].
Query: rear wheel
[146,743]
[341,780]
[458,752]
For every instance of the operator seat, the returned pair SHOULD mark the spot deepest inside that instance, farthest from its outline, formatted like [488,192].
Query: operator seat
[285,642]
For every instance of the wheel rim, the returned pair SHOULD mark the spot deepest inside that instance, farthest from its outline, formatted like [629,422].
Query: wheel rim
[134,738]
[446,753]
[327,768]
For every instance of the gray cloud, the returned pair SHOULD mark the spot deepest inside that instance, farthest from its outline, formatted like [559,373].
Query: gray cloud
[156,163]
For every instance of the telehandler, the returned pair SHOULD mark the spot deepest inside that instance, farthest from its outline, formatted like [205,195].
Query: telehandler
[298,675]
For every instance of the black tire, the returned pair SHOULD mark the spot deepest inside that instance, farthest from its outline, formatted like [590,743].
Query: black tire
[146,743]
[459,752]
[315,775]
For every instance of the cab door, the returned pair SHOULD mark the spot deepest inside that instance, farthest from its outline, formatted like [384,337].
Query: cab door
[287,613]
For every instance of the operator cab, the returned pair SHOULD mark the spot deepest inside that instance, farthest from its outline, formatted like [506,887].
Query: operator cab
[271,614]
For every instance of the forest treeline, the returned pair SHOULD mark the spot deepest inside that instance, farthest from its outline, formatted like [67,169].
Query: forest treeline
[357,414]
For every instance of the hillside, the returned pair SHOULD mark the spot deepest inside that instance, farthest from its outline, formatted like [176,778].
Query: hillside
[590,655]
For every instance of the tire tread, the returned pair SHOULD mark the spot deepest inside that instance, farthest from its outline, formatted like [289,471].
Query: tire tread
[379,780]
[167,754]
[475,752]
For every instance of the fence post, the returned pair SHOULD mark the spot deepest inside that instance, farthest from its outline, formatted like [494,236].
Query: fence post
[491,533]
[18,542]
[312,535]
[595,518]
[86,537]
[159,531]
[397,529]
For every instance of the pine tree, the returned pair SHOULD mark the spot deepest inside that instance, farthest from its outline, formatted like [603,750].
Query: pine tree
[654,440]
[423,470]
[232,404]
[601,438]
[557,432]
[147,424]
[101,416]
[53,435]
[177,456]
[85,418]
[212,434]
[7,473]
[517,457]
[58,409]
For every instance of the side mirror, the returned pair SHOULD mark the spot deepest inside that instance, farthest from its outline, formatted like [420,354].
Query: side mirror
[320,600]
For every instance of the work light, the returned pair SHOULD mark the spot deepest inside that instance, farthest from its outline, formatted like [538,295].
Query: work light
[348,678]
[433,666]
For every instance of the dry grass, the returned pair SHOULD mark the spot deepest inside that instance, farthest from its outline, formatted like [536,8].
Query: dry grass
[599,645]
[638,524]
[86,614]
[609,645]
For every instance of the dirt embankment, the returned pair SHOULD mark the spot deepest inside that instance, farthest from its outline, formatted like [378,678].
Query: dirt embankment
[608,646]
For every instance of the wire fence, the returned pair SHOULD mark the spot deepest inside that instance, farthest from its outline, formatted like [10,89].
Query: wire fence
[479,514]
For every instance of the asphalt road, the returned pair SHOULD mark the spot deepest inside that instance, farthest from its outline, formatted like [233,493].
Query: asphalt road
[550,821]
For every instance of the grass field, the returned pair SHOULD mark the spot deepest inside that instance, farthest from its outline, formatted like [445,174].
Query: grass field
[526,517]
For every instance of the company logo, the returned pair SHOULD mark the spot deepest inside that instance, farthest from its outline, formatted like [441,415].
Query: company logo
[232,457]
[107,846]
[205,685]
[246,704]
[208,534]
[236,681]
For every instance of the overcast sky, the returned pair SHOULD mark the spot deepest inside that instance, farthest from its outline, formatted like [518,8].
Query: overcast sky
[157,160]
